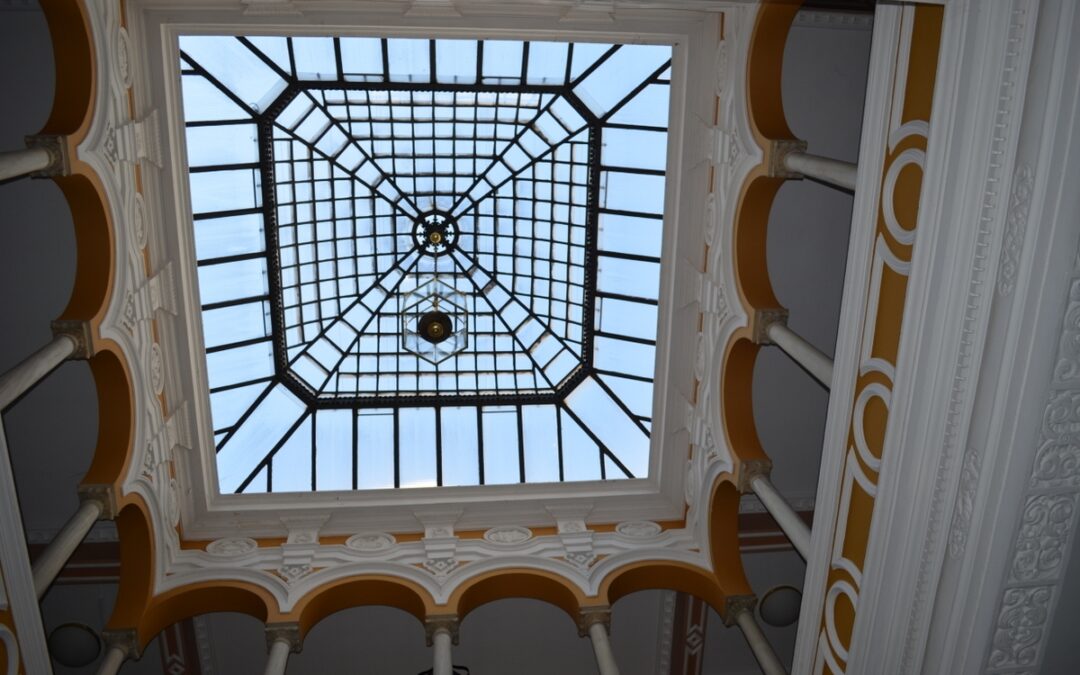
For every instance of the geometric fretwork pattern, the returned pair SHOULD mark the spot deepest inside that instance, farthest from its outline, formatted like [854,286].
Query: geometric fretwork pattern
[336,180]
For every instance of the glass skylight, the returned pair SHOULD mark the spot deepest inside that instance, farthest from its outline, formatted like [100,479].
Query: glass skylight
[426,262]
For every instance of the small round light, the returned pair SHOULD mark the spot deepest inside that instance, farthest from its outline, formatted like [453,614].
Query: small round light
[74,644]
[435,326]
[779,606]
[435,238]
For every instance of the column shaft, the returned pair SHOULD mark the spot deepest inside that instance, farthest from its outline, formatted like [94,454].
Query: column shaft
[759,644]
[789,521]
[22,162]
[605,659]
[279,657]
[114,658]
[831,171]
[15,382]
[59,550]
[802,352]
[443,641]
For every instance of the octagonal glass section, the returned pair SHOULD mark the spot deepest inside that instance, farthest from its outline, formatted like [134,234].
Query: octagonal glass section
[426,262]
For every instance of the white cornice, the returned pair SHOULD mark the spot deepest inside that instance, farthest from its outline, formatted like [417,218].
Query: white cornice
[815,18]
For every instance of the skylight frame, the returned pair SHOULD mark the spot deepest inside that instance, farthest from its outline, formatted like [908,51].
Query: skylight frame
[657,497]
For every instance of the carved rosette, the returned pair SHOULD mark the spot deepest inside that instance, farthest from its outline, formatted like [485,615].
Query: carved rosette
[370,542]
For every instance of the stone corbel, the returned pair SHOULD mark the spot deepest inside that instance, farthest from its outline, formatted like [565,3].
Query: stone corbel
[141,140]
[735,605]
[577,539]
[448,622]
[284,632]
[762,320]
[124,639]
[104,495]
[590,616]
[440,542]
[777,151]
[59,158]
[80,332]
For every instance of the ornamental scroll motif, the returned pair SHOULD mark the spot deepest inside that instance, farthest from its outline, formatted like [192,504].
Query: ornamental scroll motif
[895,233]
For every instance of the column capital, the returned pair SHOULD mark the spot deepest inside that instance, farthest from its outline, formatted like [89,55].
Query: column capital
[762,319]
[284,632]
[57,147]
[104,495]
[124,639]
[80,332]
[750,469]
[735,605]
[777,150]
[593,615]
[447,622]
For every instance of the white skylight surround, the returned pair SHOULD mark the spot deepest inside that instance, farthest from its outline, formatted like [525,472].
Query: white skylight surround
[314,160]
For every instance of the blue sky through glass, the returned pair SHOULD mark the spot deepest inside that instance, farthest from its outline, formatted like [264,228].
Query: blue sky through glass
[317,166]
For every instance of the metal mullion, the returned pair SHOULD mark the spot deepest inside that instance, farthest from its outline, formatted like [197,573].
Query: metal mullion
[205,74]
[636,90]
[596,64]
[632,214]
[438,433]
[237,345]
[629,256]
[355,449]
[233,303]
[245,383]
[360,331]
[626,298]
[386,61]
[292,54]
[498,313]
[224,167]
[515,173]
[216,123]
[628,376]
[634,127]
[634,170]
[595,439]
[224,260]
[622,406]
[337,59]
[480,441]
[558,435]
[397,449]
[502,153]
[268,459]
[314,449]
[322,332]
[247,413]
[267,60]
[315,150]
[314,238]
[521,443]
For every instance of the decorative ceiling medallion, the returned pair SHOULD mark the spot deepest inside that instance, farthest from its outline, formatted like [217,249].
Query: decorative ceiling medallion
[639,529]
[232,547]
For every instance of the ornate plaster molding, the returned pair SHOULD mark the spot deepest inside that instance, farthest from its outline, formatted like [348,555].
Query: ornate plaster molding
[448,623]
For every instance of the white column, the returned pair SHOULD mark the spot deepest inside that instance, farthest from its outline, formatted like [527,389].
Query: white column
[15,382]
[605,659]
[443,642]
[759,644]
[22,162]
[59,550]
[789,521]
[114,658]
[831,171]
[279,656]
[802,352]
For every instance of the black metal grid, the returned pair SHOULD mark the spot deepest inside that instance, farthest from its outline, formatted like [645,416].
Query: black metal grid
[315,203]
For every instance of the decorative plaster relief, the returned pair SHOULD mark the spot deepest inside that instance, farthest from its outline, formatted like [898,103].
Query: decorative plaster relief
[232,547]
[639,529]
[1049,517]
[508,536]
[370,542]
[1015,227]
